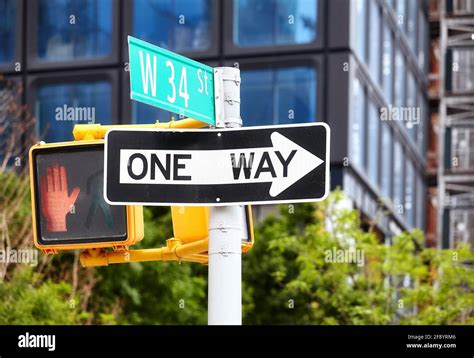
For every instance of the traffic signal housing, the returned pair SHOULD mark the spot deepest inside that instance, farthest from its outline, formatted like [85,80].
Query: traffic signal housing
[191,223]
[69,211]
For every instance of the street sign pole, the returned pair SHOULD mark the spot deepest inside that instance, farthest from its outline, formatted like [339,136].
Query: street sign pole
[225,253]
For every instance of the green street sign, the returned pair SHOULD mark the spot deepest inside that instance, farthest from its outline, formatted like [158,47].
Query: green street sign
[163,79]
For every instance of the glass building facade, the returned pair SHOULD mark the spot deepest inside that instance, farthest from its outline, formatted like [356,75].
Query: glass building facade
[75,56]
[388,113]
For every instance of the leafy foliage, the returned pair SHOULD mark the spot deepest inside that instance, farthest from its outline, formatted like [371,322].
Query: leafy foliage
[24,303]
[292,275]
[290,280]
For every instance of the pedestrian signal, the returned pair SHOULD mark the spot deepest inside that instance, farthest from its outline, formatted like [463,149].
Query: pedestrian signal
[69,211]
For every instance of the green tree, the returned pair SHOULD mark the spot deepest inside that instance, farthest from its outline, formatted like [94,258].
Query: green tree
[292,276]
[25,302]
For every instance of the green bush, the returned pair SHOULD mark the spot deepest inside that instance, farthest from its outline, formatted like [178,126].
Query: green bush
[25,302]
[289,280]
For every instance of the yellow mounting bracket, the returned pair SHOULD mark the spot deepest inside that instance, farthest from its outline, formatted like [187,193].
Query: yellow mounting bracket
[173,251]
[97,131]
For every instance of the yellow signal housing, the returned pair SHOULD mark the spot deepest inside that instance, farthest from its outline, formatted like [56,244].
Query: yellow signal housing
[249,239]
[54,186]
[191,223]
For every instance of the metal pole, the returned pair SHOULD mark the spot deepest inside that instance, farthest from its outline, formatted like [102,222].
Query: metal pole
[225,253]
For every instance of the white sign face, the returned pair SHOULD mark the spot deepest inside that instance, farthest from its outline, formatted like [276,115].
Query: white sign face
[260,164]
[282,165]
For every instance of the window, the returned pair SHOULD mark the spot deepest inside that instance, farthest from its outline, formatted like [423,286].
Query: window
[274,22]
[59,106]
[462,70]
[391,3]
[411,24]
[410,193]
[423,50]
[401,13]
[461,7]
[74,30]
[462,227]
[178,25]
[7,30]
[386,152]
[373,144]
[400,72]
[360,28]
[420,203]
[421,127]
[278,96]
[463,148]
[412,113]
[388,64]
[146,114]
[12,123]
[397,191]
[357,134]
[374,41]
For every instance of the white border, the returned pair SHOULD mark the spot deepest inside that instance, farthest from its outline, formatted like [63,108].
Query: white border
[268,202]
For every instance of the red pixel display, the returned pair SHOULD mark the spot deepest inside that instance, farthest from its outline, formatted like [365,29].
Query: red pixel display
[56,202]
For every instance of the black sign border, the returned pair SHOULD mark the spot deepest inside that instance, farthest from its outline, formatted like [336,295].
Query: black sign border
[179,189]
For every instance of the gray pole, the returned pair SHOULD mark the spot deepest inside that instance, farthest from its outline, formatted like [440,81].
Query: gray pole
[225,253]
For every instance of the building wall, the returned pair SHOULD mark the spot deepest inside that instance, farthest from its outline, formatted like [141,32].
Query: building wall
[452,99]
[338,61]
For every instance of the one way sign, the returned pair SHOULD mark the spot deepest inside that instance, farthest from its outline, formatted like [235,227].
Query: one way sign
[254,165]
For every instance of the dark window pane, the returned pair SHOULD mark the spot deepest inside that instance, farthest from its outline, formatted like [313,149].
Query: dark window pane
[462,70]
[397,191]
[401,13]
[74,29]
[422,125]
[357,132]
[386,152]
[462,148]
[409,194]
[461,227]
[145,114]
[373,144]
[7,30]
[411,24]
[277,96]
[12,123]
[375,55]
[59,107]
[422,41]
[413,112]
[400,75]
[358,36]
[388,64]
[178,25]
[391,3]
[274,22]
[461,7]
[420,203]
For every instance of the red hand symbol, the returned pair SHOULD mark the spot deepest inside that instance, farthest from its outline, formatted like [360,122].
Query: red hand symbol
[55,201]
